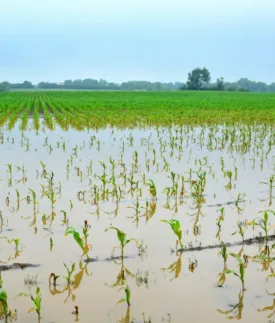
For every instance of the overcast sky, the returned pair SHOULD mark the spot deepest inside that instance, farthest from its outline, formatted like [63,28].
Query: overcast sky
[155,40]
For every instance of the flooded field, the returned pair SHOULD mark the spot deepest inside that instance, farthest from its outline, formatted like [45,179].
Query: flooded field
[195,203]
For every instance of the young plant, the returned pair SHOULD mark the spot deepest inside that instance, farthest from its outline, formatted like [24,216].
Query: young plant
[263,223]
[37,299]
[152,188]
[175,226]
[4,302]
[240,231]
[127,297]
[69,273]
[80,241]
[122,239]
[241,265]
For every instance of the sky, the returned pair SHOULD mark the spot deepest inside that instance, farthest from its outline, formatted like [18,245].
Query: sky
[120,40]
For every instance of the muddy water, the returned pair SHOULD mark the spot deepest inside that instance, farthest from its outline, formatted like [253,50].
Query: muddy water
[163,284]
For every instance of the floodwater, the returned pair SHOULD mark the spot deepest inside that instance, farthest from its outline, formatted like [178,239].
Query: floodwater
[165,286]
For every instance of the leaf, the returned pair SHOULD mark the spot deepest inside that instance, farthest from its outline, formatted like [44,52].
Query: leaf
[120,235]
[236,257]
[31,310]
[76,236]
[121,301]
[175,226]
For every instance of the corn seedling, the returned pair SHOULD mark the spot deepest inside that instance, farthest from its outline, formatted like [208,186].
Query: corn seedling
[127,297]
[122,239]
[37,299]
[70,271]
[175,226]
[241,265]
[80,241]
[240,231]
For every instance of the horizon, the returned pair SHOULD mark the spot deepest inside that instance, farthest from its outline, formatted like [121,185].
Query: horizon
[156,41]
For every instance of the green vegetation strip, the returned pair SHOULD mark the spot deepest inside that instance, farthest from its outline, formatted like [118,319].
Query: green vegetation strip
[80,109]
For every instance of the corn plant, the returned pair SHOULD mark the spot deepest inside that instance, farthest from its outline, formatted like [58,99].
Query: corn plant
[122,239]
[240,231]
[4,301]
[37,300]
[80,241]
[152,188]
[263,223]
[127,297]
[69,273]
[241,265]
[175,226]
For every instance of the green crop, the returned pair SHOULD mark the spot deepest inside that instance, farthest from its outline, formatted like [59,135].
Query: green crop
[80,241]
[122,239]
[175,226]
[37,300]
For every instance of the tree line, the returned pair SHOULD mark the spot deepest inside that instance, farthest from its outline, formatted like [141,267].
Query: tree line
[198,79]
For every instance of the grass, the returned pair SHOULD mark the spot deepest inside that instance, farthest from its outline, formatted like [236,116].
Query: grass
[130,109]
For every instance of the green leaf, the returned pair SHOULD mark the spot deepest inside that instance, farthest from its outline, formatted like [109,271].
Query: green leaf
[236,257]
[120,235]
[122,301]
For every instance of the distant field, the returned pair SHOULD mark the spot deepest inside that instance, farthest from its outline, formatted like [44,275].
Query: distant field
[83,109]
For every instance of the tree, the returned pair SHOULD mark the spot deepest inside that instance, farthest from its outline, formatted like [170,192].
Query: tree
[4,86]
[220,83]
[197,78]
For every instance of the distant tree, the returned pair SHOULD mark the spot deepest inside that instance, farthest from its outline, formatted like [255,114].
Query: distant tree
[220,83]
[272,87]
[197,78]
[4,86]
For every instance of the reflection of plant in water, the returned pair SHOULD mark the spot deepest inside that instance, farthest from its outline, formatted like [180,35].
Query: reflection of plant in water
[152,188]
[33,200]
[136,208]
[76,313]
[219,225]
[269,308]
[271,186]
[175,226]
[74,283]
[127,317]
[121,277]
[193,264]
[236,311]
[142,249]
[142,278]
[228,174]
[9,171]
[174,268]
[239,199]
